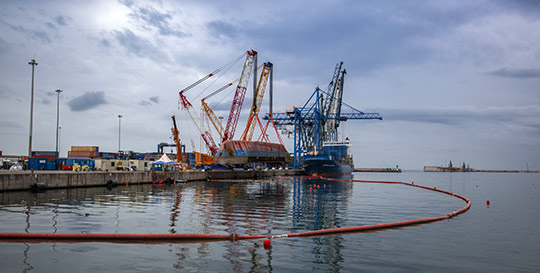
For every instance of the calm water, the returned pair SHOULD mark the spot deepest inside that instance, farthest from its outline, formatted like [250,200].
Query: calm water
[504,237]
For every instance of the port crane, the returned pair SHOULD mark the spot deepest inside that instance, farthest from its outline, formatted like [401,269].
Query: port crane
[177,141]
[236,107]
[317,121]
[257,102]
[239,96]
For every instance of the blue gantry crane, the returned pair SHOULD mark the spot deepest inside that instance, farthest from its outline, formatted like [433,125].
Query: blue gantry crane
[316,122]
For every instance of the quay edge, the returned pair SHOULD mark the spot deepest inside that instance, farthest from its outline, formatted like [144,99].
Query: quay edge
[25,180]
[377,170]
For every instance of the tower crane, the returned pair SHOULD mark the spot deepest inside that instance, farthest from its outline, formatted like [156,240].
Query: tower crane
[257,102]
[176,141]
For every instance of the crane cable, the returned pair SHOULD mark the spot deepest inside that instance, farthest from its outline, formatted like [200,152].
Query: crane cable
[212,73]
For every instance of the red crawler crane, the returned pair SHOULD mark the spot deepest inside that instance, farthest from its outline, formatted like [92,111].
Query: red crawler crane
[239,96]
[235,108]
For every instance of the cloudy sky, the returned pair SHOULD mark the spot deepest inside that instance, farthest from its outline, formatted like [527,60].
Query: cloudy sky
[453,80]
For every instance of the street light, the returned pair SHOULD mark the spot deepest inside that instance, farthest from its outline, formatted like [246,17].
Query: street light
[33,63]
[58,91]
[119,126]
[59,139]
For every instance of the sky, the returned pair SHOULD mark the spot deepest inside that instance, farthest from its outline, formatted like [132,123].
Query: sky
[453,80]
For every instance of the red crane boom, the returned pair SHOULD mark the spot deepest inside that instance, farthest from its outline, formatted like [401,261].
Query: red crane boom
[239,96]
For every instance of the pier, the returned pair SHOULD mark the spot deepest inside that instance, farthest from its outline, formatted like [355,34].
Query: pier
[27,180]
[377,170]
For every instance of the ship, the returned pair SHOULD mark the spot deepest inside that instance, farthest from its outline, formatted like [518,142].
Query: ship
[332,160]
[318,147]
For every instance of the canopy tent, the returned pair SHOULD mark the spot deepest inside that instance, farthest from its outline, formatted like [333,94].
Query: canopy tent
[164,159]
[161,163]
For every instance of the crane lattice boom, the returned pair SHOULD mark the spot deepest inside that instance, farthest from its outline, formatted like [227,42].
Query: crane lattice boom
[257,102]
[210,143]
[176,140]
[239,96]
[213,118]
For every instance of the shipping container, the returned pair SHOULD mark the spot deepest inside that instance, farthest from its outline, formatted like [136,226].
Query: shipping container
[82,154]
[82,162]
[85,149]
[108,155]
[44,153]
[41,164]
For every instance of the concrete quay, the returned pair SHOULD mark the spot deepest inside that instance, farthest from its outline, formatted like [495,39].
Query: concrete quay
[378,170]
[26,180]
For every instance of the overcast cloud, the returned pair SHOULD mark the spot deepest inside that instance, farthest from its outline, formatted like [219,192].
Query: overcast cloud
[453,80]
[87,101]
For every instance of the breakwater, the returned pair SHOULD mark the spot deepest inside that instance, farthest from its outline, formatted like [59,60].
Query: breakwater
[26,180]
[447,169]
[378,170]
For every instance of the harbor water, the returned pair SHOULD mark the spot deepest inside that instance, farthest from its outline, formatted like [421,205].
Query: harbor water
[500,237]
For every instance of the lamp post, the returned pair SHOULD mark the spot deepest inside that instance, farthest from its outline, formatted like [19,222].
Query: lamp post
[59,139]
[119,126]
[33,63]
[58,91]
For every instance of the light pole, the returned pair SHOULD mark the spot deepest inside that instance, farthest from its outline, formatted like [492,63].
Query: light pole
[59,139]
[119,126]
[33,63]
[58,91]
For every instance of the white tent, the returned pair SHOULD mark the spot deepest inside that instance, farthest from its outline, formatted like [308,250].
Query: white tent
[164,159]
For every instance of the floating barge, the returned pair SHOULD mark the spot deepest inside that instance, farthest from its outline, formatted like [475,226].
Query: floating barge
[238,152]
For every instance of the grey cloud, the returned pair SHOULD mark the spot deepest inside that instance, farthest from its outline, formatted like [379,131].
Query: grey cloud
[45,101]
[86,101]
[516,73]
[105,43]
[154,99]
[139,46]
[221,28]
[518,115]
[145,103]
[61,20]
[127,3]
[35,34]
[152,17]
[50,25]
[9,124]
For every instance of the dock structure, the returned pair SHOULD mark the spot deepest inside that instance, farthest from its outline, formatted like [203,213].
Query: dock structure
[377,170]
[447,169]
[27,180]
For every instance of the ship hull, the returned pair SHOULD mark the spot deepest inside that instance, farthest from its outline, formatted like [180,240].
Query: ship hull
[326,167]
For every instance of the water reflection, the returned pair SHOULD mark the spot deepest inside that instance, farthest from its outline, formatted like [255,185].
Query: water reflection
[279,206]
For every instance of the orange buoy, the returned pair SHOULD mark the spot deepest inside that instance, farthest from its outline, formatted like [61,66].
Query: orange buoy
[487,202]
[309,188]
[267,244]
